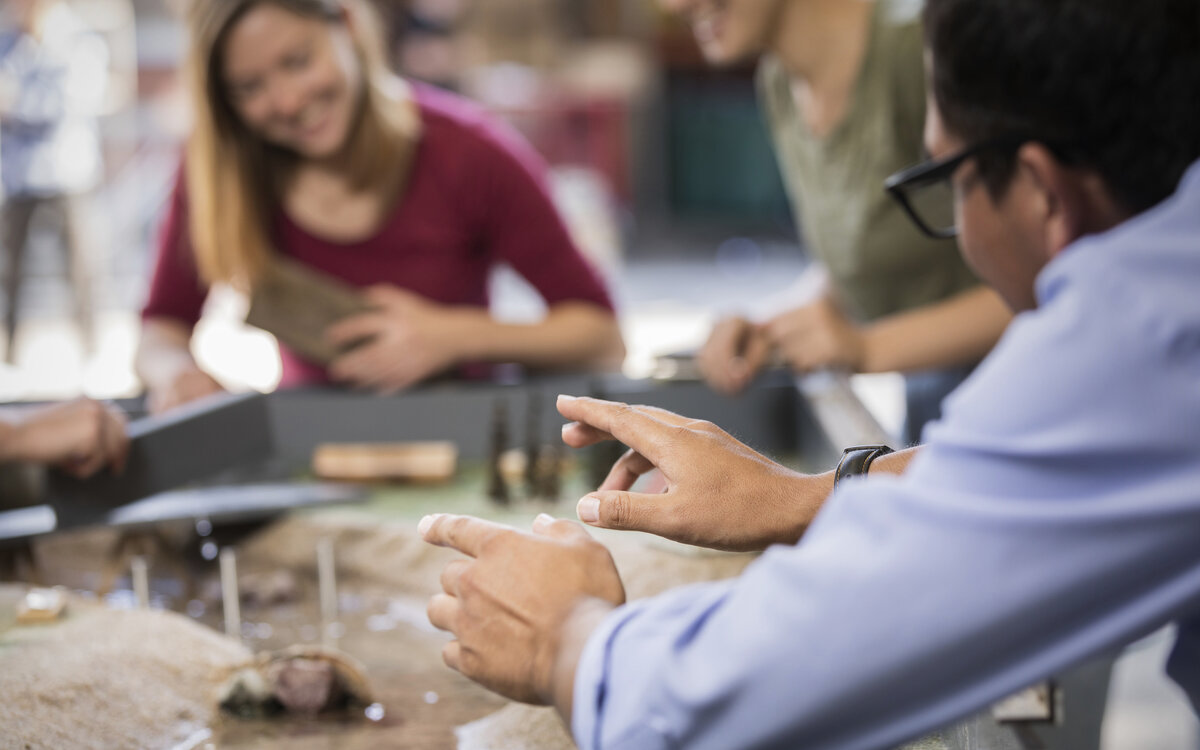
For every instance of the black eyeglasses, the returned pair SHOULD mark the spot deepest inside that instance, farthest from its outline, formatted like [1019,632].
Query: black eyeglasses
[925,193]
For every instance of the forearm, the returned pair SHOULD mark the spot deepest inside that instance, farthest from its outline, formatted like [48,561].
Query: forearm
[893,463]
[9,450]
[573,334]
[14,431]
[957,331]
[163,351]
[808,493]
[584,620]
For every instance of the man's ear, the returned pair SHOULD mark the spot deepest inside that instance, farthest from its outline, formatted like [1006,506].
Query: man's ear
[1059,202]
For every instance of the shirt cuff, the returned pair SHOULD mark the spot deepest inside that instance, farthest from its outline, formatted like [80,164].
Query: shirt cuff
[591,679]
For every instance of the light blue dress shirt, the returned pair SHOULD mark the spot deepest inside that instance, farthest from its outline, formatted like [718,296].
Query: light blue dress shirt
[1053,514]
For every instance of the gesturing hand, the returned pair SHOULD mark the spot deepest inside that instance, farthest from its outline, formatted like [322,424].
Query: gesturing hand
[511,608]
[719,493]
[734,353]
[405,340]
[817,336]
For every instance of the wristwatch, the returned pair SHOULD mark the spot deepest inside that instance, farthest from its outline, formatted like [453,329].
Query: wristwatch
[856,460]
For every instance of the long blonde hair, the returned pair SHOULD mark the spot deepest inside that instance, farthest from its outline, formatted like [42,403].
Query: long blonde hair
[233,176]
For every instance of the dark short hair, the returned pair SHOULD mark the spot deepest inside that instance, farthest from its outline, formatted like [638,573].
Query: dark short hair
[1116,83]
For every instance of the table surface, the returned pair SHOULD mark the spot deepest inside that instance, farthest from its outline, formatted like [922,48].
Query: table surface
[384,629]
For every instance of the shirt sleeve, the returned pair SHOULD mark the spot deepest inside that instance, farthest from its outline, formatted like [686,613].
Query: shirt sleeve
[176,290]
[521,225]
[1053,516]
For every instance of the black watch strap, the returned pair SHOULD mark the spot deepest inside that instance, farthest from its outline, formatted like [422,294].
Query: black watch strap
[856,460]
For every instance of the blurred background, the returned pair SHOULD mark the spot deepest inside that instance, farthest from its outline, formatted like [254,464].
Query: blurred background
[661,167]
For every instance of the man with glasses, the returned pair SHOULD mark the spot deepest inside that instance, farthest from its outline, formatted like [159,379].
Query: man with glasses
[1054,512]
[841,87]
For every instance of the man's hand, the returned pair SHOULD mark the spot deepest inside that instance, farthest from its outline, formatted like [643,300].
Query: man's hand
[189,384]
[79,437]
[403,341]
[718,492]
[520,610]
[817,336]
[734,353]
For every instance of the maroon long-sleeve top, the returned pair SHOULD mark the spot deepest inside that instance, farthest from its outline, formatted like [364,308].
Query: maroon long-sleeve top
[477,196]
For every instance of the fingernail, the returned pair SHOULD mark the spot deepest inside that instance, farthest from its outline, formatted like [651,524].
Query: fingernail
[426,522]
[562,397]
[588,509]
[543,519]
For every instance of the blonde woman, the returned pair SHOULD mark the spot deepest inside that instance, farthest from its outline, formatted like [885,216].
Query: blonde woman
[305,146]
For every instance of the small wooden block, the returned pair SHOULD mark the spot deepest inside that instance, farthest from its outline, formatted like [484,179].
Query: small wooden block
[41,606]
[297,304]
[432,461]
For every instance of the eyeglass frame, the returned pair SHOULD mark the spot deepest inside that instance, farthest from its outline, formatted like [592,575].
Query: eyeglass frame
[935,170]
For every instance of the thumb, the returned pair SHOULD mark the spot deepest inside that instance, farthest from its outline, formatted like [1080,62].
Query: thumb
[353,328]
[561,529]
[632,511]
[388,296]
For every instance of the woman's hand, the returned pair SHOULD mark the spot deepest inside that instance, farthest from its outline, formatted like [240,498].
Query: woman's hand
[402,341]
[817,336]
[734,353]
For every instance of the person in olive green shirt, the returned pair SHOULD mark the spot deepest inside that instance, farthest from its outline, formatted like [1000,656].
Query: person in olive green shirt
[841,83]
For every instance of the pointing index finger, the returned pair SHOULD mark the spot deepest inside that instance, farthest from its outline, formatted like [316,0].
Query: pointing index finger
[642,428]
[466,534]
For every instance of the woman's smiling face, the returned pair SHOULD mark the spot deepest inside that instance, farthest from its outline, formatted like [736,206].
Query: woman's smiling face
[294,81]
